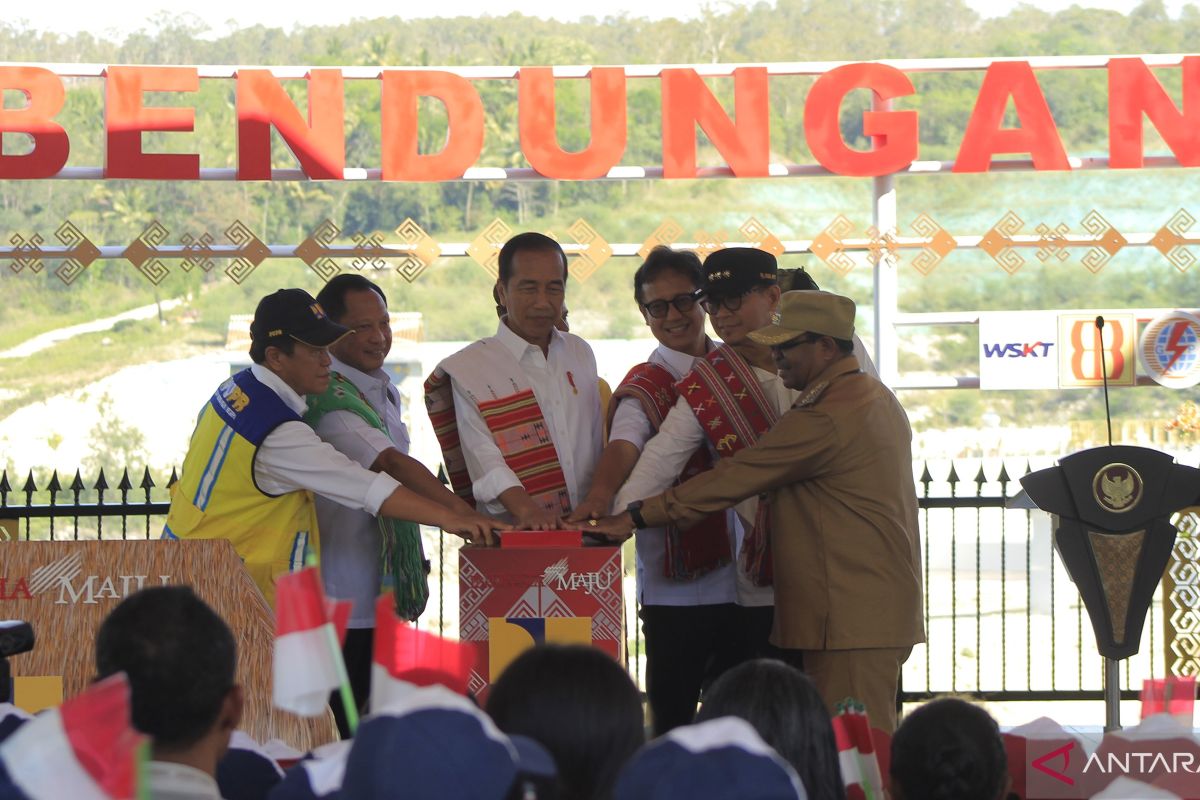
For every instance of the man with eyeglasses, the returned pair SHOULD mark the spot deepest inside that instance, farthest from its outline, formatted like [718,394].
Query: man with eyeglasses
[685,585]
[837,471]
[725,401]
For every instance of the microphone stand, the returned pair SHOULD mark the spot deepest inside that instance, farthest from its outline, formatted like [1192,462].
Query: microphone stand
[1112,671]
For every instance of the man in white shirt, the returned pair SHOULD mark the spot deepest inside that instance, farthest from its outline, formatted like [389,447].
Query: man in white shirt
[253,464]
[360,415]
[685,583]
[518,414]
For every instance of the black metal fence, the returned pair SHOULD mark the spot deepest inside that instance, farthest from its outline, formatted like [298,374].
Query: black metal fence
[1004,622]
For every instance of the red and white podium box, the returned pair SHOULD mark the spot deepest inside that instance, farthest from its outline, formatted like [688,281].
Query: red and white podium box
[537,587]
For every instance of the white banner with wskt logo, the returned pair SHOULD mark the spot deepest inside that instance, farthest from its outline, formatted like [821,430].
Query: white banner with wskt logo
[1018,350]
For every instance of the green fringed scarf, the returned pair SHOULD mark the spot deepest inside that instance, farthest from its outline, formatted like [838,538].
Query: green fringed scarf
[401,553]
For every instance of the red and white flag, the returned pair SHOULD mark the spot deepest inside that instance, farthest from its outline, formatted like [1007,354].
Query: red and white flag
[856,755]
[86,749]
[406,657]
[308,661]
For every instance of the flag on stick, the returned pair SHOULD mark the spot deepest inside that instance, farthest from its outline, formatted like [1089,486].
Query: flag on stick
[407,657]
[86,749]
[856,753]
[308,658]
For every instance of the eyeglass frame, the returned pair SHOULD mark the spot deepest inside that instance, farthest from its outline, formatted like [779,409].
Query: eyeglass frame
[692,298]
[804,338]
[712,305]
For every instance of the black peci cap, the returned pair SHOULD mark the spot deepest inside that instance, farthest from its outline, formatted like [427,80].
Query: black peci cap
[734,271]
[295,314]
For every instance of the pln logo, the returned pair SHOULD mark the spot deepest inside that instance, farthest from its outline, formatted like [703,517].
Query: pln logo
[1170,350]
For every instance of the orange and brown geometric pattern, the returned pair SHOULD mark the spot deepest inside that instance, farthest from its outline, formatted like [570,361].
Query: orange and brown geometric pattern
[414,250]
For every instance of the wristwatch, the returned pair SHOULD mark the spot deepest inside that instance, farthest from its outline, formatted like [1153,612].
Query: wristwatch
[635,513]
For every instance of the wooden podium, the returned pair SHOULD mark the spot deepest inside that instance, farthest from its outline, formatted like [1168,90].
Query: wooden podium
[65,589]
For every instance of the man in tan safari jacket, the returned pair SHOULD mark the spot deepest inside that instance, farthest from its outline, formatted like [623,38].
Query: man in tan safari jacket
[844,537]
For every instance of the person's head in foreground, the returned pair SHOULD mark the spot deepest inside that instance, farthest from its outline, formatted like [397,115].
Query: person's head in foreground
[580,705]
[784,707]
[949,749]
[181,660]
[811,332]
[720,759]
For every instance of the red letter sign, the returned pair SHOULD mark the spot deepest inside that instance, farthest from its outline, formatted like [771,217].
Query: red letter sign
[984,137]
[464,133]
[687,102]
[319,144]
[125,119]
[895,143]
[1132,91]
[539,138]
[45,93]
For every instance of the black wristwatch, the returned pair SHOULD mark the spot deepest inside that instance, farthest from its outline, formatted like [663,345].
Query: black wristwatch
[635,513]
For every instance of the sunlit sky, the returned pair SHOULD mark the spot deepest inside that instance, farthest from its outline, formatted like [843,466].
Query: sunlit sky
[221,16]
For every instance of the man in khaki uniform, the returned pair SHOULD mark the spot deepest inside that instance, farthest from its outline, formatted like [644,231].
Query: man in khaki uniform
[844,535]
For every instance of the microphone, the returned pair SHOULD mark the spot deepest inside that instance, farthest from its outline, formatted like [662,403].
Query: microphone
[1104,375]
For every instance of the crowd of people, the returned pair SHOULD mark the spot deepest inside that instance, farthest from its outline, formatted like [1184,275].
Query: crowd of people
[563,722]
[766,477]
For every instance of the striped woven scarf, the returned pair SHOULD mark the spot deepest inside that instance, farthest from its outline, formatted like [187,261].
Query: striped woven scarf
[402,556]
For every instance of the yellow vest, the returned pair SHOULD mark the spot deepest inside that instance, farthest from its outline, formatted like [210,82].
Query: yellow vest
[217,497]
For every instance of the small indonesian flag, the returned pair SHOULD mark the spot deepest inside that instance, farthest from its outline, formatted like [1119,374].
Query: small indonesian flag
[856,755]
[308,663]
[86,749]
[406,657]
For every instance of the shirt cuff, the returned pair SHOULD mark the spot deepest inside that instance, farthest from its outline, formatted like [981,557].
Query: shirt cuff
[654,512]
[380,489]
[489,487]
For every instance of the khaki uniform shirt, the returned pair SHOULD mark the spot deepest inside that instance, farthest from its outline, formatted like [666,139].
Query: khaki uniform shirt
[844,534]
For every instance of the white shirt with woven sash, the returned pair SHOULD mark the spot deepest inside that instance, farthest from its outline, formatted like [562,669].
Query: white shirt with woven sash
[350,543]
[565,384]
[631,424]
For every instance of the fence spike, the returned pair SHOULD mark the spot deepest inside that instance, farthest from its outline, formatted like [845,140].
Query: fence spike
[926,478]
[980,478]
[55,485]
[77,484]
[125,485]
[5,486]
[30,487]
[952,478]
[147,481]
[442,475]
[174,479]
[1028,466]
[101,481]
[1003,477]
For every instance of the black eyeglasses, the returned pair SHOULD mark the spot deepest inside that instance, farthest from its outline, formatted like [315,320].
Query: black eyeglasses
[683,303]
[808,338]
[713,304]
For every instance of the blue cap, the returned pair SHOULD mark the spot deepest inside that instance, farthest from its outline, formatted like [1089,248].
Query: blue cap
[721,759]
[436,744]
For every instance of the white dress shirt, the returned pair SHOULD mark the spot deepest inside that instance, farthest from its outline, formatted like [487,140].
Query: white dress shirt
[665,455]
[565,384]
[631,424]
[293,457]
[350,544]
